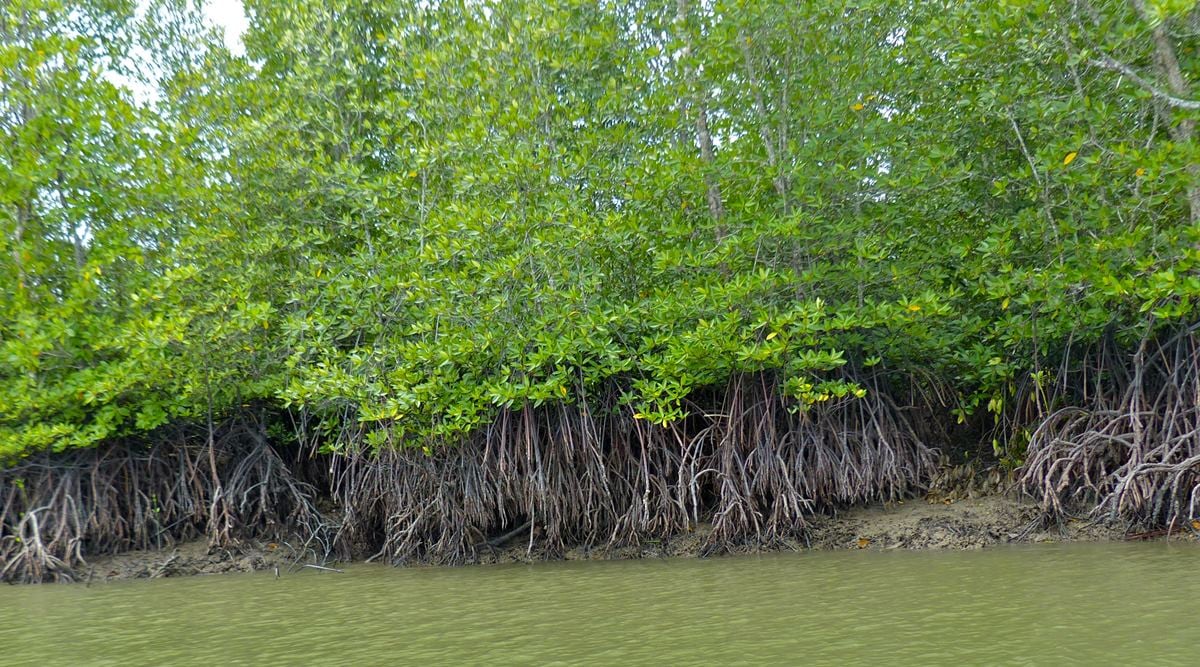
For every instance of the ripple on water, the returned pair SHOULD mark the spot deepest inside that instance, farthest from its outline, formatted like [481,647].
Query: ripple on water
[1086,603]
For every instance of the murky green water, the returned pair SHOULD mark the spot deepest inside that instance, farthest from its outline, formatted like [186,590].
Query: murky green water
[1082,604]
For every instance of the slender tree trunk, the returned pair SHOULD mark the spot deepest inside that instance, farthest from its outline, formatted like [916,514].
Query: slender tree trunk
[72,229]
[1184,131]
[712,191]
[17,242]
[24,218]
[716,207]
[764,124]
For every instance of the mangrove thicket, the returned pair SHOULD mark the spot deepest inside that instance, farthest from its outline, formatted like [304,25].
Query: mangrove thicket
[393,279]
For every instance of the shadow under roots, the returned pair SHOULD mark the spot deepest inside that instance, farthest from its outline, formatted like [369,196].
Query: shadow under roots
[1130,446]
[554,477]
[57,508]
[573,476]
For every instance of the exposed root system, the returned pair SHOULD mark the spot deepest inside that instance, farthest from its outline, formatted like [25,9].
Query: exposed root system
[1133,451]
[561,476]
[753,469]
[56,508]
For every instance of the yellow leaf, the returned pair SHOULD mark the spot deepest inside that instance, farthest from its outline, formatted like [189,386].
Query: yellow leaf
[1004,304]
[563,391]
[863,543]
[1196,524]
[1141,171]
[1070,157]
[858,107]
[912,308]
[412,174]
[772,335]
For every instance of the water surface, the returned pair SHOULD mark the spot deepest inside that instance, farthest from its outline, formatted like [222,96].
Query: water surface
[1059,604]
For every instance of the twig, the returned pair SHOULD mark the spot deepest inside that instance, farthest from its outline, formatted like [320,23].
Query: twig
[158,572]
[500,541]
[323,568]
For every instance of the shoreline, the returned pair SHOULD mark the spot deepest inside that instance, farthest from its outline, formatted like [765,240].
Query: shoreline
[923,523]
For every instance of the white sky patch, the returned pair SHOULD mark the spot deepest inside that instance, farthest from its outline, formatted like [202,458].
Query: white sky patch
[230,16]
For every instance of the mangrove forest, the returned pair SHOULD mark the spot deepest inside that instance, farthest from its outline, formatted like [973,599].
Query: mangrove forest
[404,280]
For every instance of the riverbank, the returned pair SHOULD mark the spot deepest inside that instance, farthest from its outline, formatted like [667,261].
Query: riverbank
[962,520]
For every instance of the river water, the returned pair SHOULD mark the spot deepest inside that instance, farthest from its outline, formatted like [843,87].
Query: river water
[1052,604]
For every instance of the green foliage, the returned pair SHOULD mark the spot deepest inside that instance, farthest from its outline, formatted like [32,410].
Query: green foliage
[400,217]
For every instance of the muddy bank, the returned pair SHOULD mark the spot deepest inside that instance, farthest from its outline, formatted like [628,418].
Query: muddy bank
[971,523]
[187,559]
[931,522]
[920,523]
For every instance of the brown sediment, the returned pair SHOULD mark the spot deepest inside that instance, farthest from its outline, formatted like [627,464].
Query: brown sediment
[189,558]
[917,523]
[965,508]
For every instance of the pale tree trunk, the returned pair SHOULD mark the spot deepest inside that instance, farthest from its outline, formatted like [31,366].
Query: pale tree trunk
[18,237]
[764,125]
[700,111]
[1183,132]
[24,218]
[18,214]
[72,229]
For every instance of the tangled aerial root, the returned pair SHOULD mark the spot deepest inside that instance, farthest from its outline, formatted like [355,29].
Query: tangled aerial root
[55,508]
[753,469]
[563,475]
[1133,452]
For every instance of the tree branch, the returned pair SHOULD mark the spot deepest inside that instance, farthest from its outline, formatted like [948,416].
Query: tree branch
[1170,100]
